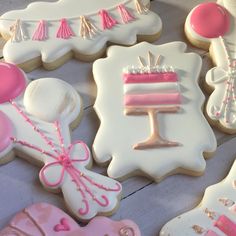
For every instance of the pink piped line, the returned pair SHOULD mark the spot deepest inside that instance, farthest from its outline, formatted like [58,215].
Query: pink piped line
[227,226]
[37,130]
[125,14]
[150,77]
[106,20]
[152,99]
[64,31]
[63,159]
[40,33]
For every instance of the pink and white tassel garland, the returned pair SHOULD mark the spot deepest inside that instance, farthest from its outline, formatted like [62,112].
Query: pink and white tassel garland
[87,29]
[64,31]
[141,9]
[107,21]
[17,31]
[125,14]
[40,33]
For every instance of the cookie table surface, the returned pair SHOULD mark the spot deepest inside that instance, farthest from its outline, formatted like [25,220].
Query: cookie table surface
[149,204]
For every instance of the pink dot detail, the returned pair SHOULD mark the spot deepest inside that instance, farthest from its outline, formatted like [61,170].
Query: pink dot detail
[12,81]
[210,20]
[6,131]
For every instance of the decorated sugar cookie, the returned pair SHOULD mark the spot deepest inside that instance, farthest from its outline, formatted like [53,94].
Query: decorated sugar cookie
[215,216]
[34,124]
[214,25]
[149,105]
[43,219]
[51,33]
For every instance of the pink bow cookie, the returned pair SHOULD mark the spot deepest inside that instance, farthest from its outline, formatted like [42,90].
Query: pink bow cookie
[44,219]
[34,122]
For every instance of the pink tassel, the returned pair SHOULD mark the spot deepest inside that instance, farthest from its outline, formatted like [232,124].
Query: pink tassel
[125,14]
[107,21]
[40,33]
[64,30]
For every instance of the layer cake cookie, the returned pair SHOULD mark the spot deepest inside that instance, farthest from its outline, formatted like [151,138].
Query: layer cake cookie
[149,105]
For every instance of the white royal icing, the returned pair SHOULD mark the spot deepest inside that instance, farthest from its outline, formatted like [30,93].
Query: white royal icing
[118,132]
[151,88]
[53,48]
[219,199]
[217,77]
[45,101]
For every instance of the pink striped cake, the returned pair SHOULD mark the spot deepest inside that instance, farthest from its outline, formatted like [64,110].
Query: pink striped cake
[151,86]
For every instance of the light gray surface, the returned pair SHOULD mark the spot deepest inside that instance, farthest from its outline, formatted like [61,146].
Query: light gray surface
[150,205]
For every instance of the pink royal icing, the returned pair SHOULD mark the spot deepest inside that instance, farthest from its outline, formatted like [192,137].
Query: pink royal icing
[63,158]
[125,14]
[40,33]
[211,233]
[62,226]
[107,20]
[150,78]
[227,226]
[210,20]
[152,99]
[5,131]
[64,31]
[12,82]
[45,219]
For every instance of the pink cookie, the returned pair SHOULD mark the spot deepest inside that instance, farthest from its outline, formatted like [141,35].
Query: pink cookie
[34,124]
[43,219]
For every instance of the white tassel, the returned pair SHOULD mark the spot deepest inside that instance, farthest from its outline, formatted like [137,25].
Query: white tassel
[87,29]
[18,33]
[141,9]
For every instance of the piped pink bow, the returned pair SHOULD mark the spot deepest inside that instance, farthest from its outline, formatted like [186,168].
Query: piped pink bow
[67,164]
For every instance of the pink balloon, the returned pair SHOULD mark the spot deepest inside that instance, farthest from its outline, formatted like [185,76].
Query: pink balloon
[6,131]
[210,20]
[12,82]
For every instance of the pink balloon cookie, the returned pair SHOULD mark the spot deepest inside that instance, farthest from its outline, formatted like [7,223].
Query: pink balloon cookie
[213,25]
[215,215]
[35,122]
[149,104]
[51,33]
[12,82]
[42,219]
